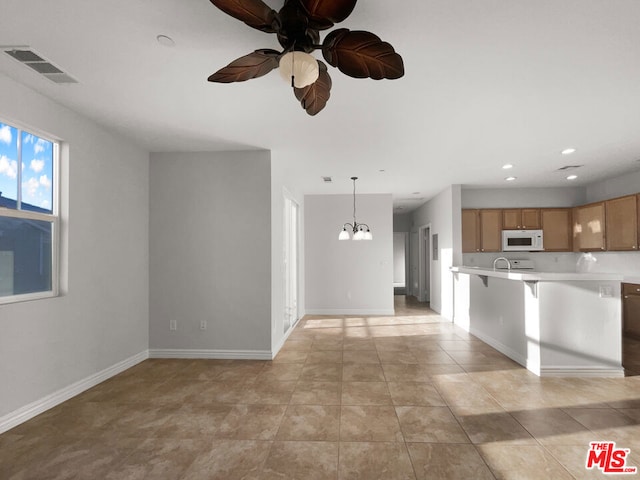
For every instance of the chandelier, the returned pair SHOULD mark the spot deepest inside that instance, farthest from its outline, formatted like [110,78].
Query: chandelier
[360,230]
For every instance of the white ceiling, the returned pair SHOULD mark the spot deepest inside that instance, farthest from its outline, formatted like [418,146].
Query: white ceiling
[487,83]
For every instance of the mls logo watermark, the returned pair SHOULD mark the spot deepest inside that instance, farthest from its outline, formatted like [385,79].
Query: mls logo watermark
[608,458]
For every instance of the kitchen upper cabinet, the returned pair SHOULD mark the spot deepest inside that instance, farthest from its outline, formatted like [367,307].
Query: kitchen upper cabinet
[622,223]
[631,309]
[470,231]
[481,230]
[521,219]
[490,230]
[556,227]
[589,228]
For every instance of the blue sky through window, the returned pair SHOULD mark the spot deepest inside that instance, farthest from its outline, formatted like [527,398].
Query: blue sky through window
[8,161]
[36,168]
[37,172]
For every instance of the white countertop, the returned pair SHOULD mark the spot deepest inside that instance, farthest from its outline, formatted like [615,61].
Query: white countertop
[532,276]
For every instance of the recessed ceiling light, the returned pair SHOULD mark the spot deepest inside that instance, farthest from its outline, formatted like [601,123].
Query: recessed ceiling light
[507,166]
[568,151]
[416,193]
[382,171]
[572,177]
[510,179]
[165,41]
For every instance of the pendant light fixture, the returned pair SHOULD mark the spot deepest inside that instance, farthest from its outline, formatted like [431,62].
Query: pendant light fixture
[361,231]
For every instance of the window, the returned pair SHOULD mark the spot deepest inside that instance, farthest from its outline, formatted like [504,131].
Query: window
[29,221]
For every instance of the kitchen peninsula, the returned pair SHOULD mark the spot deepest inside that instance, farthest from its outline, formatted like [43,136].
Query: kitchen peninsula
[562,324]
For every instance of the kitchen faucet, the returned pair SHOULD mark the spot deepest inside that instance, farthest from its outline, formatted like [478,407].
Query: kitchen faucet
[502,258]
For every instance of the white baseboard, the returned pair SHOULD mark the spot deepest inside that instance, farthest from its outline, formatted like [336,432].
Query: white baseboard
[211,354]
[581,372]
[326,311]
[550,371]
[29,411]
[274,351]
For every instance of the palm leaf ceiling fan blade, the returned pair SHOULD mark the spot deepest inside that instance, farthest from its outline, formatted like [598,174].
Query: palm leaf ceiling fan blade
[333,11]
[250,66]
[297,24]
[361,54]
[254,13]
[314,97]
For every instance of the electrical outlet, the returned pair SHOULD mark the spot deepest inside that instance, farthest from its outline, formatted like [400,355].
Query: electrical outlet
[606,291]
[173,325]
[203,324]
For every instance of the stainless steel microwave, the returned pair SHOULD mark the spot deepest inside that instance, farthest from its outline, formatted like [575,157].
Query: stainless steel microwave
[522,240]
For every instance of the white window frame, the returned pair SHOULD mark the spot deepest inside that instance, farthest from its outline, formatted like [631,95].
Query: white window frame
[53,218]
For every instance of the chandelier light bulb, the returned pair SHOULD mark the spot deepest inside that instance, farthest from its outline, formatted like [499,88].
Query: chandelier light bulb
[344,235]
[301,66]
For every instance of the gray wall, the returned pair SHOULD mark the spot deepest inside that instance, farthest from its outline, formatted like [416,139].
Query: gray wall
[442,214]
[614,187]
[345,277]
[522,197]
[210,251]
[101,317]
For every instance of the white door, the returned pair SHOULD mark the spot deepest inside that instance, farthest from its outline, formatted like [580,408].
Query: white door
[290,263]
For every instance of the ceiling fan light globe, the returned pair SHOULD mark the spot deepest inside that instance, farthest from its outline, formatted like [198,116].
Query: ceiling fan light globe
[344,235]
[368,235]
[301,66]
[359,235]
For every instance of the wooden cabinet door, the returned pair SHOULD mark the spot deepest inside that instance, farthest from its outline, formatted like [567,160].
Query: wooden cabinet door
[631,309]
[622,223]
[589,227]
[490,230]
[521,219]
[531,219]
[511,219]
[470,231]
[556,227]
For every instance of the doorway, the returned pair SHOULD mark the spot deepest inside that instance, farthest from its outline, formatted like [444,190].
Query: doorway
[291,235]
[424,264]
[400,240]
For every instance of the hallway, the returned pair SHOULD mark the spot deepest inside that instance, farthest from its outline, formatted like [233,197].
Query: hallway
[403,397]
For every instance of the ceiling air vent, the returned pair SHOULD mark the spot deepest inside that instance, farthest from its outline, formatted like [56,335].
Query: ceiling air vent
[327,179]
[28,57]
[569,167]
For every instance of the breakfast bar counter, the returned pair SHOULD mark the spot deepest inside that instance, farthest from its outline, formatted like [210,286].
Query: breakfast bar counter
[562,324]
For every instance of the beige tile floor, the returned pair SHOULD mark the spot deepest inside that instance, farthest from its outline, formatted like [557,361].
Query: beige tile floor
[404,397]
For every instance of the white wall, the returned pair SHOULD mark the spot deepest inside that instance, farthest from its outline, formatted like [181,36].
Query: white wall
[101,317]
[210,253]
[442,213]
[348,277]
[522,197]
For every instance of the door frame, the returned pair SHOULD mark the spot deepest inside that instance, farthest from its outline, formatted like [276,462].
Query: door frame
[287,256]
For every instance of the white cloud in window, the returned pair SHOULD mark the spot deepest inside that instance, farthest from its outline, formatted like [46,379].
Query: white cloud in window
[45,204]
[31,186]
[5,134]
[44,181]
[8,167]
[36,165]
[29,138]
[39,146]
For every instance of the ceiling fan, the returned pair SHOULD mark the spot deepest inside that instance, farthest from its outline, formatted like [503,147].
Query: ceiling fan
[359,54]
